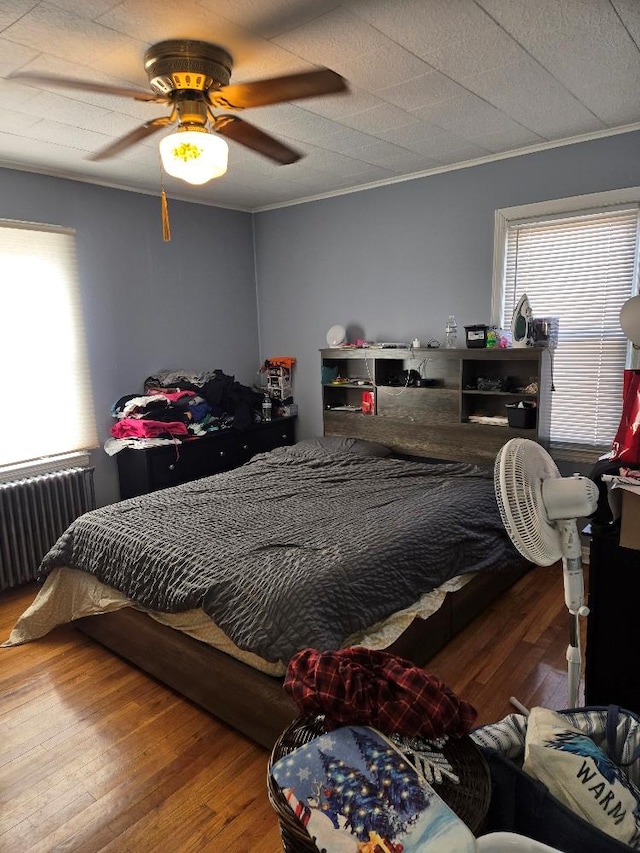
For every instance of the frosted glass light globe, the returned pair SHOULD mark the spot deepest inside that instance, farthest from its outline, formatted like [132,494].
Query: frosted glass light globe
[194,156]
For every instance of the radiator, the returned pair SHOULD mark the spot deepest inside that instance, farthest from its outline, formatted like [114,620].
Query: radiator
[34,512]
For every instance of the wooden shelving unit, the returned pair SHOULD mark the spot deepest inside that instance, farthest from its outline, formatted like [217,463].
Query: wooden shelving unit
[434,419]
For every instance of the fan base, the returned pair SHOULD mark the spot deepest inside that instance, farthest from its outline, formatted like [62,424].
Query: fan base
[179,64]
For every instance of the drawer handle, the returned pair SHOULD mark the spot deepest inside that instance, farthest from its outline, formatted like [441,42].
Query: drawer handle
[172,467]
[245,446]
[222,453]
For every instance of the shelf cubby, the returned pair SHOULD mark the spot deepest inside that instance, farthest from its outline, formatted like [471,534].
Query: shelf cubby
[434,418]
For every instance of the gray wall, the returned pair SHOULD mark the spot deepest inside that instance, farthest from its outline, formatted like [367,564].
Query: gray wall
[390,263]
[187,304]
[395,261]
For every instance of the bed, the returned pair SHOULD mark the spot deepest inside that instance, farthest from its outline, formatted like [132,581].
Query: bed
[212,586]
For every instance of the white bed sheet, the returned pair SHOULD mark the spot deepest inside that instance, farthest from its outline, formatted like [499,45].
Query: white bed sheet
[69,594]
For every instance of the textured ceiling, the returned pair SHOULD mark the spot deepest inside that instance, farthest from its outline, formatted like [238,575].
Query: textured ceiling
[432,83]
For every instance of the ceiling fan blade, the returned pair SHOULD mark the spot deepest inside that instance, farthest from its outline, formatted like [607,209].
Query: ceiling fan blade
[131,138]
[274,90]
[250,136]
[265,21]
[88,86]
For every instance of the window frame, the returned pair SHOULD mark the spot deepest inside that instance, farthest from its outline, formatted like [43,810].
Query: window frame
[552,208]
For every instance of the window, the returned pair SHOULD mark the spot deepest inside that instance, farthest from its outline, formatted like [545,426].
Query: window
[46,406]
[580,266]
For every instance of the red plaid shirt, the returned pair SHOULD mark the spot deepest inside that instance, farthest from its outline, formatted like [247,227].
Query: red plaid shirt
[359,686]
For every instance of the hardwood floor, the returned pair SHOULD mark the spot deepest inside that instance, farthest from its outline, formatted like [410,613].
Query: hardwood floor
[97,756]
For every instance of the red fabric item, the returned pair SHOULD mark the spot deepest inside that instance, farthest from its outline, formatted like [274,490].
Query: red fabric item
[626,444]
[171,395]
[137,428]
[359,686]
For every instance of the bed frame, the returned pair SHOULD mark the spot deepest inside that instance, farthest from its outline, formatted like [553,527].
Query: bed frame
[249,701]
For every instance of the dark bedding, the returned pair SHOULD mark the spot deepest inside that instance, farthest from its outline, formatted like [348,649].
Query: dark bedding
[298,548]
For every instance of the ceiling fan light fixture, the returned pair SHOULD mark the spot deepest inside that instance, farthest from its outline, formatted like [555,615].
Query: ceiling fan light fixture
[194,156]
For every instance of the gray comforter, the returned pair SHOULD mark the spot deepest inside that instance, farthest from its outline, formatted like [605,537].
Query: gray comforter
[298,548]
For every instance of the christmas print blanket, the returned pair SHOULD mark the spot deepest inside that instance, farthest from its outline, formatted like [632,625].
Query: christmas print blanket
[355,792]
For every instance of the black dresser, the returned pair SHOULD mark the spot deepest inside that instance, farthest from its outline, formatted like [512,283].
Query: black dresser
[613,625]
[142,471]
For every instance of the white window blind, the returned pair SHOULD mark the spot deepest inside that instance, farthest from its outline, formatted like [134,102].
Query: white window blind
[46,405]
[580,268]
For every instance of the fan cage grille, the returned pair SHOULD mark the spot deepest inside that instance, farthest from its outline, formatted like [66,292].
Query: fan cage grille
[520,468]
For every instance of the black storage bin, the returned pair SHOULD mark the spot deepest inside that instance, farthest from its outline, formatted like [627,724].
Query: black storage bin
[521,417]
[524,805]
[477,336]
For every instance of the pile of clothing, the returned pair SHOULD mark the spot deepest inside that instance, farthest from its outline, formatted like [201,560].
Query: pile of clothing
[177,405]
[360,686]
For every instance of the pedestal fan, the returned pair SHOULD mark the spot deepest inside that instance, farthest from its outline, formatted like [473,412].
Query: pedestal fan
[539,509]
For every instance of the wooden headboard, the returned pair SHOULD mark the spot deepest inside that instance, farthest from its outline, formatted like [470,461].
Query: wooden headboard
[433,417]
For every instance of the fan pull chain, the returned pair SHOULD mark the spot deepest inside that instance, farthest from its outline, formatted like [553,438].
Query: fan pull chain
[164,209]
[166,228]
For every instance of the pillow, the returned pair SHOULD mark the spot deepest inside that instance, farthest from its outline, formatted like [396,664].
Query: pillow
[347,444]
[579,774]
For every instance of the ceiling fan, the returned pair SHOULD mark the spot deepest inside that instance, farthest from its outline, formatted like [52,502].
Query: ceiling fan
[192,78]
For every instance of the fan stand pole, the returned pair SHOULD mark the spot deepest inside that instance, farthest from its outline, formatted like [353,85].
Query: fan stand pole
[574,659]
[574,599]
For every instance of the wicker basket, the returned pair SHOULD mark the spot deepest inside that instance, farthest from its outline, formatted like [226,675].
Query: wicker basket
[469,799]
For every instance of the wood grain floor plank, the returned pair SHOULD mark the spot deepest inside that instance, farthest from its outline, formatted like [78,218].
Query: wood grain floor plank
[59,703]
[523,617]
[102,720]
[58,810]
[146,797]
[99,773]
[249,832]
[100,758]
[90,836]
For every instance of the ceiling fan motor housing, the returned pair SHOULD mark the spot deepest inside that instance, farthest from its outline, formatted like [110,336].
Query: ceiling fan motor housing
[180,64]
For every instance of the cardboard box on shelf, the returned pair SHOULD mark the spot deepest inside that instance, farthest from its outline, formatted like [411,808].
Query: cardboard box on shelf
[629,524]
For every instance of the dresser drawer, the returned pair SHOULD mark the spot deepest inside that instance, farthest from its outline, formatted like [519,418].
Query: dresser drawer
[170,466]
[142,471]
[278,433]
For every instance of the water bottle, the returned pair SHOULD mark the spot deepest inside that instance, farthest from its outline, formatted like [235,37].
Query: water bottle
[451,332]
[266,408]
